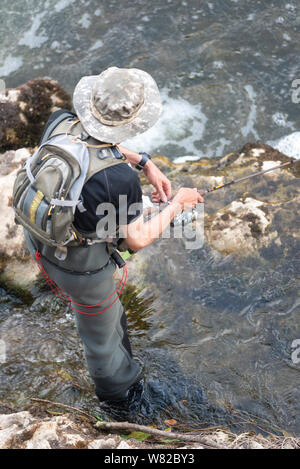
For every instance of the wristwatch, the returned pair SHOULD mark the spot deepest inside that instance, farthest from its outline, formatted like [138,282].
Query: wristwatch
[143,161]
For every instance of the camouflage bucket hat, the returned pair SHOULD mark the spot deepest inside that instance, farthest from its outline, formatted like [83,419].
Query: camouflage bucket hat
[117,104]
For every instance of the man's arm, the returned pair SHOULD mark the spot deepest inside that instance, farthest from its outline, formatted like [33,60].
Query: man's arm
[140,234]
[154,175]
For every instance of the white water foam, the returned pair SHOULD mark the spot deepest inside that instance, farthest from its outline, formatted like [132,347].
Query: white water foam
[10,65]
[184,159]
[181,124]
[2,351]
[249,127]
[97,45]
[289,145]
[62,4]
[85,21]
[30,37]
[280,119]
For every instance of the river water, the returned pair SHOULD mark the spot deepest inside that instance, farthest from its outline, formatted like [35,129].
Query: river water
[225,70]
[225,67]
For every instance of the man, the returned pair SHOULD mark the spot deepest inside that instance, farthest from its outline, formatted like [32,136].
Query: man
[111,107]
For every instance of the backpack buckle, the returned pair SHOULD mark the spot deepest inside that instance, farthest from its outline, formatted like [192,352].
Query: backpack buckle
[84,136]
[50,210]
[61,253]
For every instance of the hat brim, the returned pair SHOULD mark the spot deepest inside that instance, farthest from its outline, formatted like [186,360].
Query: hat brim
[147,116]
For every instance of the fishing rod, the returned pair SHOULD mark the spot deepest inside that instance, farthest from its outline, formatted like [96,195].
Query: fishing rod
[184,218]
[221,186]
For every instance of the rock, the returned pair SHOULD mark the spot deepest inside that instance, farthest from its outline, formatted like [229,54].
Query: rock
[22,430]
[287,444]
[124,445]
[241,219]
[254,154]
[221,438]
[255,445]
[110,443]
[11,234]
[193,447]
[14,256]
[42,436]
[25,110]
[12,425]
[242,226]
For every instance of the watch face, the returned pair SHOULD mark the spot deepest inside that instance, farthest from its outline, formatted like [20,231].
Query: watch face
[146,155]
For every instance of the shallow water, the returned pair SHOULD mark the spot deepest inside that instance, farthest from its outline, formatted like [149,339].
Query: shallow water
[230,324]
[215,333]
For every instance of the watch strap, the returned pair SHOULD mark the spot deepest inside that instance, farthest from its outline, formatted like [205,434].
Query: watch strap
[143,161]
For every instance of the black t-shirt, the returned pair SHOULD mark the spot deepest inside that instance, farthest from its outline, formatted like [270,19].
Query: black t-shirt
[106,187]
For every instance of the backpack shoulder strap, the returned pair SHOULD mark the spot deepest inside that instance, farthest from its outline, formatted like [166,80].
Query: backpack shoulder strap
[64,116]
[102,155]
[103,159]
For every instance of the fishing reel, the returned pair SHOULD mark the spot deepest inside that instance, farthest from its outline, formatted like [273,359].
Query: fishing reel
[184,218]
[181,219]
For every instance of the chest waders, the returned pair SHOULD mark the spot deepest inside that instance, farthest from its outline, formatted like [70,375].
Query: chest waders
[86,277]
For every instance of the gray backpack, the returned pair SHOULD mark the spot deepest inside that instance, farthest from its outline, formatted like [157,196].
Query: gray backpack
[48,189]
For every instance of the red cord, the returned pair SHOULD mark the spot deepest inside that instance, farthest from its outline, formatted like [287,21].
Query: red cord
[55,288]
[46,276]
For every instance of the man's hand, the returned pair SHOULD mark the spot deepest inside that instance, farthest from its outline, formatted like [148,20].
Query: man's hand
[163,187]
[140,234]
[188,198]
[163,191]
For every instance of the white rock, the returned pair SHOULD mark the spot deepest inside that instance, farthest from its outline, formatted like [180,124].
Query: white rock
[12,238]
[124,445]
[2,351]
[257,152]
[221,438]
[12,425]
[255,445]
[21,155]
[13,95]
[241,226]
[20,419]
[46,432]
[70,438]
[40,444]
[110,443]
[11,235]
[277,173]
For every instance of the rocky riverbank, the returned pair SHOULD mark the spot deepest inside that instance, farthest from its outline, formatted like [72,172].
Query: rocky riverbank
[24,430]
[25,110]
[257,219]
[243,220]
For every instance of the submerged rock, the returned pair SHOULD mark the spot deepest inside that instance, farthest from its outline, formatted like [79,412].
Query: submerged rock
[25,110]
[242,226]
[258,218]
